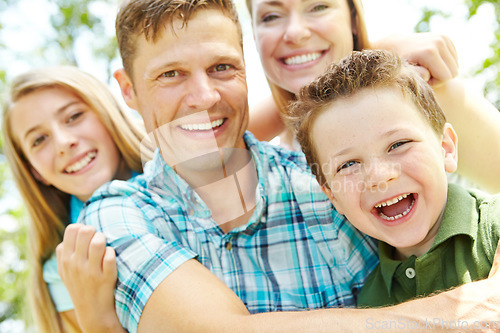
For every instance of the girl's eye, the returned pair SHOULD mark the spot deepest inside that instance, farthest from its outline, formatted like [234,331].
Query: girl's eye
[75,116]
[319,8]
[397,145]
[38,141]
[170,74]
[346,165]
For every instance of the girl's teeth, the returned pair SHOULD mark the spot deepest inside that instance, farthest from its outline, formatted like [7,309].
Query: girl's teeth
[203,126]
[81,163]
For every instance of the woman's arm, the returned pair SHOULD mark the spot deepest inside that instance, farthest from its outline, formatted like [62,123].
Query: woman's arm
[435,54]
[88,270]
[265,121]
[477,123]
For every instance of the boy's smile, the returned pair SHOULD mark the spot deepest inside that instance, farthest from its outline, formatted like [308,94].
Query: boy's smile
[385,166]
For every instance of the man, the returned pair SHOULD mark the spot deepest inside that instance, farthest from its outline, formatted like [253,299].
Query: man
[217,209]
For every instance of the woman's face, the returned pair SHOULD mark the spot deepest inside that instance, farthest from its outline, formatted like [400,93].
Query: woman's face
[65,142]
[298,39]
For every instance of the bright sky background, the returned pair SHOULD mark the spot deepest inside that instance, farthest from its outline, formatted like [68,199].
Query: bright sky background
[28,23]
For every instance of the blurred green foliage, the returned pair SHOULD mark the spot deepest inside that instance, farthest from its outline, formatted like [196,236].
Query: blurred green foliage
[492,63]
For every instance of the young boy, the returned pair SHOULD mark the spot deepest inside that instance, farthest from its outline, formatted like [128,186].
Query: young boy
[379,145]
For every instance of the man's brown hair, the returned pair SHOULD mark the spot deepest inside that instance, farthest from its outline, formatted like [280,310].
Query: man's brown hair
[150,17]
[360,70]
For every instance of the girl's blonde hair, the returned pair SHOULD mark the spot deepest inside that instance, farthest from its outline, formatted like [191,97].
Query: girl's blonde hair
[47,206]
[283,97]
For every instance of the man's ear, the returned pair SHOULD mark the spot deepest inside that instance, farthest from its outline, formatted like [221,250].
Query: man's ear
[328,192]
[450,148]
[39,177]
[126,87]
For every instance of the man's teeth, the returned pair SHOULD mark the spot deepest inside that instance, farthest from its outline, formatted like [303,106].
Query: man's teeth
[81,163]
[202,126]
[297,60]
[392,201]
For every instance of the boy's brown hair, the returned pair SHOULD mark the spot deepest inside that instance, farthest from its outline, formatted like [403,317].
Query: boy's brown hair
[149,17]
[360,70]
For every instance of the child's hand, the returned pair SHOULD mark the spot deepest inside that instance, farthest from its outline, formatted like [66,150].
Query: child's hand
[88,269]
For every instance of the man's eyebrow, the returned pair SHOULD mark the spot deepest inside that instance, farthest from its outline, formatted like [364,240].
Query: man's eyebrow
[58,111]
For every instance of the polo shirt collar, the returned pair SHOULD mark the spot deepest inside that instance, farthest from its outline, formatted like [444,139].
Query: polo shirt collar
[459,218]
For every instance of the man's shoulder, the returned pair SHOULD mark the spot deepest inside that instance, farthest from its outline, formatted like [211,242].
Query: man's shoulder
[276,155]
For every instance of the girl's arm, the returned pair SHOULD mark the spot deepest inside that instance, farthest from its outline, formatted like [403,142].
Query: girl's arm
[84,260]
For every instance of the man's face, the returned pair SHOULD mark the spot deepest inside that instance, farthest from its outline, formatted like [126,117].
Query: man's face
[190,87]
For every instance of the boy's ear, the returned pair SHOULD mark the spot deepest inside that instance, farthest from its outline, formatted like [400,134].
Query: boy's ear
[39,177]
[328,192]
[450,148]
[126,88]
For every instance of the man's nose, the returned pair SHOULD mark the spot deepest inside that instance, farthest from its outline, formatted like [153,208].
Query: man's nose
[202,92]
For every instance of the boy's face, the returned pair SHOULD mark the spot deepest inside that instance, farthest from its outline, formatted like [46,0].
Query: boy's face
[385,166]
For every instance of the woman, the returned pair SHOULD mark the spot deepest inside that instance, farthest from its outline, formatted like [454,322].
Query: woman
[297,40]
[64,136]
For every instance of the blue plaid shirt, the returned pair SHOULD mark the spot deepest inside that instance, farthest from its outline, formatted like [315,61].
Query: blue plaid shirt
[296,252]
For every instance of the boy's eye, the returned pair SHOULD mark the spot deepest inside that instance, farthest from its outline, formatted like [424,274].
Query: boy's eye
[397,145]
[170,74]
[346,165]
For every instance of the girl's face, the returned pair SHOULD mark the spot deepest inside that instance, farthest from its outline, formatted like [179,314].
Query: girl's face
[298,39]
[65,142]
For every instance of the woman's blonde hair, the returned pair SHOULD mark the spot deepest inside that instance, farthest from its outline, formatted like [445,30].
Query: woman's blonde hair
[47,206]
[283,97]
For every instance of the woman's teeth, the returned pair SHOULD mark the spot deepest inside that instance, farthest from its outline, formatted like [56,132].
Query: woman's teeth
[81,163]
[202,126]
[301,59]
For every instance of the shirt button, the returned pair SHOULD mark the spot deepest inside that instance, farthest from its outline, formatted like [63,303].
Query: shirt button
[410,273]
[228,246]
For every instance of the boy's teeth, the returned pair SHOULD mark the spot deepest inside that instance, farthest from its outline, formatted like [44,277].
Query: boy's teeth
[392,218]
[297,60]
[396,217]
[202,126]
[391,201]
[81,163]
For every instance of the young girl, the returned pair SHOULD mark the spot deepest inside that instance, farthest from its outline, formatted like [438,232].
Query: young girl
[64,136]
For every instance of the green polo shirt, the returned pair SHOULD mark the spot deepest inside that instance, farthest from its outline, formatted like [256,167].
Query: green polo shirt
[462,252]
